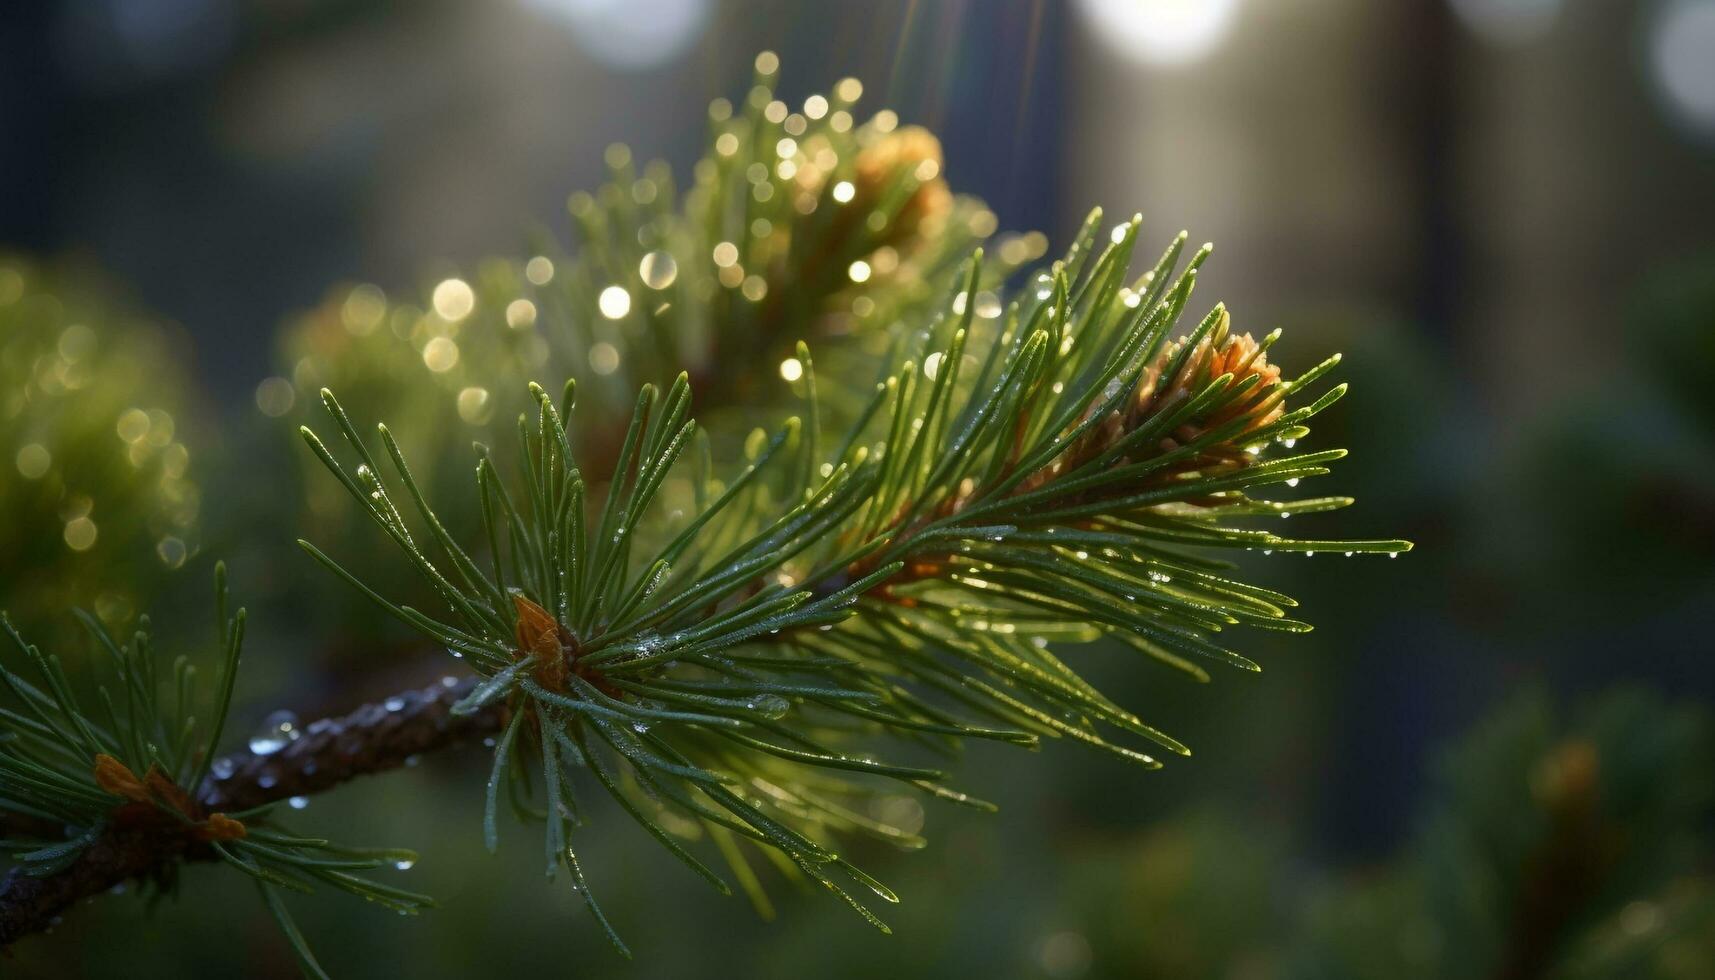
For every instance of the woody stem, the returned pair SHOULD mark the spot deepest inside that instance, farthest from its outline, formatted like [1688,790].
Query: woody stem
[374,738]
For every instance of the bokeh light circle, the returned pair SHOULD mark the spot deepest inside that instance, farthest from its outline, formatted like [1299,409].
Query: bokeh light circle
[1509,22]
[630,34]
[1681,49]
[1163,33]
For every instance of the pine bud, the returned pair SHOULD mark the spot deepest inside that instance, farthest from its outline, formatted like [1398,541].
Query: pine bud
[1219,353]
[910,154]
[540,634]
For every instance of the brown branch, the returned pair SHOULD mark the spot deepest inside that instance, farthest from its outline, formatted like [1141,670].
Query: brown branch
[374,738]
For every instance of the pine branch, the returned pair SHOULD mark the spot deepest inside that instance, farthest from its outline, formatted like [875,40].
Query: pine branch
[131,779]
[35,904]
[1013,486]
[1019,484]
[724,651]
[374,738]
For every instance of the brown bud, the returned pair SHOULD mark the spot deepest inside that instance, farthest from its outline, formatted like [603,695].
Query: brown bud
[155,793]
[117,778]
[1218,353]
[908,153]
[219,826]
[540,634]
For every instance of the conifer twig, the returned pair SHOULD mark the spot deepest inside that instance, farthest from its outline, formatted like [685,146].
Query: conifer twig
[30,904]
[374,738]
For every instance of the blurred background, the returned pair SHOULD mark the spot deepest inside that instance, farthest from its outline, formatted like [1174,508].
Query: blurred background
[1501,211]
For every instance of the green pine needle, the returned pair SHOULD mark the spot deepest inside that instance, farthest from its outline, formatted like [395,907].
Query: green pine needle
[1018,485]
[53,748]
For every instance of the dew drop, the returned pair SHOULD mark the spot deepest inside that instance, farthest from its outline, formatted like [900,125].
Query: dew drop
[770,706]
[298,802]
[278,730]
[405,864]
[222,768]
[394,704]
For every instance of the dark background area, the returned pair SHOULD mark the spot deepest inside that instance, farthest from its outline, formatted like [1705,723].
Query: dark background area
[1502,211]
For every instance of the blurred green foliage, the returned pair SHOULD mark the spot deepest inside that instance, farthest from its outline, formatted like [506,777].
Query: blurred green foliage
[1575,847]
[797,224]
[96,479]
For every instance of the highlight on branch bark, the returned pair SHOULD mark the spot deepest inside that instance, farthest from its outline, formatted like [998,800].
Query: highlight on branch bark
[734,656]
